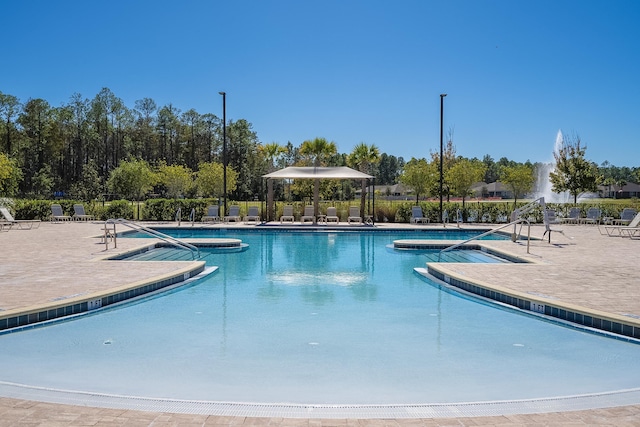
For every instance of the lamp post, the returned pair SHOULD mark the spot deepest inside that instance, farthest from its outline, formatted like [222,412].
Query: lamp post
[442,95]
[224,151]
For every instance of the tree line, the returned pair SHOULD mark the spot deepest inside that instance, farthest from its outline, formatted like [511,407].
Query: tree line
[89,148]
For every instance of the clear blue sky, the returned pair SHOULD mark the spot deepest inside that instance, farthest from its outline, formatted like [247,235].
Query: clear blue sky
[352,71]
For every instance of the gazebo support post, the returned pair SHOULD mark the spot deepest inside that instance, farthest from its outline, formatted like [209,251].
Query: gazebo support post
[270,213]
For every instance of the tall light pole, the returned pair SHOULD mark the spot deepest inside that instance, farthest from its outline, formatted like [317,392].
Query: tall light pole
[224,151]
[442,95]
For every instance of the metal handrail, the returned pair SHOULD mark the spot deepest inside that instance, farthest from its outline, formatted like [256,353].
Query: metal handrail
[178,216]
[164,237]
[486,233]
[192,216]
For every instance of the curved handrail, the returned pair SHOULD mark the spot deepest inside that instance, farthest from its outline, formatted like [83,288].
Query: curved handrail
[178,216]
[486,233]
[164,237]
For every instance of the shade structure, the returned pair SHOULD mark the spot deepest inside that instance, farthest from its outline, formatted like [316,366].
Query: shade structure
[310,172]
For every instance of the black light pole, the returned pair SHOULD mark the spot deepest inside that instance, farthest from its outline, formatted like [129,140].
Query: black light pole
[442,95]
[224,151]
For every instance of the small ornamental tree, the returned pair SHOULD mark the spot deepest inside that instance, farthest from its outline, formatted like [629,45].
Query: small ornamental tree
[420,176]
[573,173]
[462,175]
[519,178]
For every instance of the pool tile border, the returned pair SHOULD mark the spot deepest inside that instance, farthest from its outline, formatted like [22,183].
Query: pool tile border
[607,322]
[31,316]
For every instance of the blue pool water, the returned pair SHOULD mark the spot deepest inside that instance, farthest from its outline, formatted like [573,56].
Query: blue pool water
[317,318]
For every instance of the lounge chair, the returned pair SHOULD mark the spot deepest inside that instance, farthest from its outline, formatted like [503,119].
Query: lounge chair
[593,216]
[57,214]
[354,215]
[574,216]
[620,230]
[626,217]
[234,214]
[287,214]
[23,224]
[308,215]
[253,215]
[417,217]
[212,214]
[332,215]
[80,215]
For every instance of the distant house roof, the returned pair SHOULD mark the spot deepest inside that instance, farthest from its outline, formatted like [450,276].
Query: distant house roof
[312,172]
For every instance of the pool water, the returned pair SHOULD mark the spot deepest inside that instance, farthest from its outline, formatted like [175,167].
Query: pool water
[334,318]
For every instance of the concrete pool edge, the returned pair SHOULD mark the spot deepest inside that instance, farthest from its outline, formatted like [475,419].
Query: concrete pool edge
[624,327]
[329,411]
[18,318]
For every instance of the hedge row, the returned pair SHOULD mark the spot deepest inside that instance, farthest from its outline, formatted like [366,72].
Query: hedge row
[385,211]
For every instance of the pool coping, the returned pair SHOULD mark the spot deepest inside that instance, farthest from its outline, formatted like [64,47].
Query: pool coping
[31,316]
[620,326]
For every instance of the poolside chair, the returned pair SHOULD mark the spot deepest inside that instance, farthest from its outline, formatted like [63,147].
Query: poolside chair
[80,215]
[354,215]
[234,214]
[57,214]
[626,216]
[253,215]
[549,218]
[287,214]
[593,216]
[620,230]
[417,217]
[332,215]
[212,214]
[308,215]
[23,224]
[574,216]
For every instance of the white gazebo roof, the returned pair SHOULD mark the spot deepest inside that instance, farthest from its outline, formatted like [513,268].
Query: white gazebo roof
[312,172]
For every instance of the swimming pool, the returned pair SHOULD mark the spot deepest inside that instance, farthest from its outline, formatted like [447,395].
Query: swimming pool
[318,318]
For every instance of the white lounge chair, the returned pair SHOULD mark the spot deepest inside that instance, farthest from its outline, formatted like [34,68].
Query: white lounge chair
[212,214]
[354,215]
[57,214]
[417,216]
[574,216]
[80,215]
[287,214]
[23,224]
[308,215]
[234,214]
[253,215]
[620,230]
[332,215]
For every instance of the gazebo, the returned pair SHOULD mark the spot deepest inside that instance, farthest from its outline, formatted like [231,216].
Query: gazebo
[310,172]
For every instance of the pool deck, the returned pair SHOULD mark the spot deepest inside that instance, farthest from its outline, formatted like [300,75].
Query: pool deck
[61,261]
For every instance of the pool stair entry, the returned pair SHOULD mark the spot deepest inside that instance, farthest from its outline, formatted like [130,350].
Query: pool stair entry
[112,234]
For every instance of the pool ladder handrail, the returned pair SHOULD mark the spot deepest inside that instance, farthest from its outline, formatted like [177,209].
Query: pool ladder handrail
[154,233]
[192,216]
[486,233]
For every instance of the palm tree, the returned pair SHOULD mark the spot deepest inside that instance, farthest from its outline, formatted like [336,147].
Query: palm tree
[271,152]
[362,158]
[317,151]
